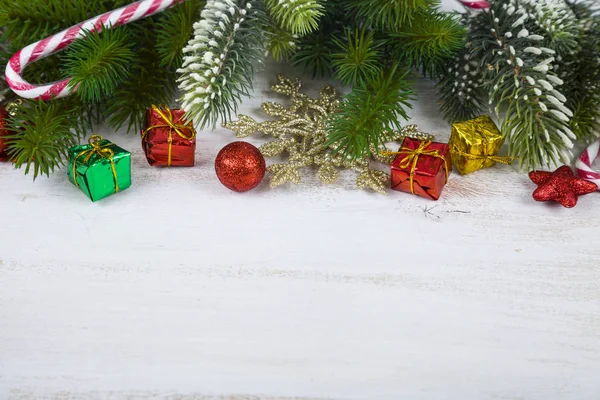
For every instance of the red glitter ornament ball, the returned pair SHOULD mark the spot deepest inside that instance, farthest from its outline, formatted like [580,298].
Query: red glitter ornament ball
[240,166]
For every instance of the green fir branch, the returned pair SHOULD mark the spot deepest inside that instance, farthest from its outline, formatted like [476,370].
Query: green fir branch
[314,51]
[42,133]
[149,84]
[282,43]
[99,63]
[299,17]
[388,14]
[359,57]
[580,70]
[175,28]
[429,41]
[27,21]
[369,113]
[314,54]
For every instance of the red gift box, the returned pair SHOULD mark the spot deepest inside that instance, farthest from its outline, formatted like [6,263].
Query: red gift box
[421,168]
[167,139]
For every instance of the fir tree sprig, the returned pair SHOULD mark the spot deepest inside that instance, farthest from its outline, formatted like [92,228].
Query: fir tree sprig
[175,30]
[297,16]
[369,113]
[221,59]
[99,63]
[149,83]
[522,83]
[26,21]
[314,54]
[282,43]
[42,133]
[388,14]
[429,41]
[552,19]
[581,72]
[359,57]
[314,51]
[461,88]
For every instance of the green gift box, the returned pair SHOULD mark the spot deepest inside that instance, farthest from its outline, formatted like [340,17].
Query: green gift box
[100,168]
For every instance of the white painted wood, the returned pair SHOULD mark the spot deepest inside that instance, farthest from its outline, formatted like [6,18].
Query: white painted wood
[180,289]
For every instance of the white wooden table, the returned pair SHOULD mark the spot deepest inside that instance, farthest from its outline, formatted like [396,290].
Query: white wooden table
[180,289]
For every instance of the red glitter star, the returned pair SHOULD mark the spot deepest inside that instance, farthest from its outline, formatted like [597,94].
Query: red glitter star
[560,186]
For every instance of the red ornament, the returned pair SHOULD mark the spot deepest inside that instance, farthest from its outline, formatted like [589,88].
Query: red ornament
[240,166]
[561,186]
[475,4]
[3,132]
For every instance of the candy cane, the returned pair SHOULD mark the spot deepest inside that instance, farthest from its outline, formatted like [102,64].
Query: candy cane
[585,161]
[54,44]
[476,4]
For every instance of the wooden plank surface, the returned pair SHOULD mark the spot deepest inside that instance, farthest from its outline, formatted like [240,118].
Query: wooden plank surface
[180,289]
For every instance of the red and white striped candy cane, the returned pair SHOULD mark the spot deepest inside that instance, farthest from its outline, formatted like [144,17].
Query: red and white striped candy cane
[476,4]
[53,44]
[585,161]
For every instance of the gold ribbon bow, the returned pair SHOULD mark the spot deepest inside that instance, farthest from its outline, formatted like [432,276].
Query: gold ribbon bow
[101,151]
[167,116]
[501,159]
[413,158]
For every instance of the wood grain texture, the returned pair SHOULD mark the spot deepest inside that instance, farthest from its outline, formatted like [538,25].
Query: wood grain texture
[179,289]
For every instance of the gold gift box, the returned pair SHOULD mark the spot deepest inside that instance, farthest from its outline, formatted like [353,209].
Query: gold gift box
[474,145]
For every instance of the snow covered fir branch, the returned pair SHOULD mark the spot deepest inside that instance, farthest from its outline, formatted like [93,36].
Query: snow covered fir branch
[221,59]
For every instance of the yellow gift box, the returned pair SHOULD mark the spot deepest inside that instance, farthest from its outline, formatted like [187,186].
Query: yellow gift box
[474,145]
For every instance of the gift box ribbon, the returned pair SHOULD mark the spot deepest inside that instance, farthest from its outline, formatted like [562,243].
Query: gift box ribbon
[99,150]
[167,117]
[504,160]
[412,157]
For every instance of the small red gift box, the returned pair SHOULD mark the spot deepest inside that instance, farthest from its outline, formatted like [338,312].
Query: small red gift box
[421,168]
[167,139]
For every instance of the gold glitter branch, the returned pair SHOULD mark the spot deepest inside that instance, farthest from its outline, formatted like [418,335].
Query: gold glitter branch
[301,131]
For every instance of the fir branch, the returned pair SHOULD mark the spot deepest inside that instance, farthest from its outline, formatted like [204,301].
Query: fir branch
[388,14]
[369,113]
[98,63]
[149,83]
[176,29]
[359,59]
[297,16]
[282,43]
[552,19]
[43,132]
[314,51]
[26,21]
[314,54]
[221,59]
[581,72]
[462,94]
[522,82]
[429,41]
